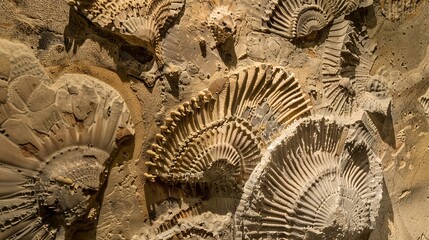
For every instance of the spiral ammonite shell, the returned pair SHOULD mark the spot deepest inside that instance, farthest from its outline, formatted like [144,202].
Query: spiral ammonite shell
[56,137]
[319,180]
[223,130]
[296,18]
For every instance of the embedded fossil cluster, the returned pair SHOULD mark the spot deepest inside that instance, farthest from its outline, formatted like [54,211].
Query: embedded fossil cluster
[225,127]
[257,147]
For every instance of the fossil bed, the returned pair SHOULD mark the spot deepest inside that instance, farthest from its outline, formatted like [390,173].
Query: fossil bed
[230,119]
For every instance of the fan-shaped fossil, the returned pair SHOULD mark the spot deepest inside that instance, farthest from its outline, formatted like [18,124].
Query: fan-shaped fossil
[55,140]
[320,180]
[295,18]
[140,22]
[224,128]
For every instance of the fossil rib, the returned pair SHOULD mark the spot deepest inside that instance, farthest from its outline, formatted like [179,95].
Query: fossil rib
[320,179]
[224,128]
[55,139]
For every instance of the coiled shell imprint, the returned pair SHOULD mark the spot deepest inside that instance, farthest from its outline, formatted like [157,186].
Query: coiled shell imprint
[297,18]
[319,180]
[218,136]
[55,139]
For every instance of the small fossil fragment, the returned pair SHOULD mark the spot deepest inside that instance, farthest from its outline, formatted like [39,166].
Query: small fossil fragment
[319,180]
[224,128]
[221,24]
[56,137]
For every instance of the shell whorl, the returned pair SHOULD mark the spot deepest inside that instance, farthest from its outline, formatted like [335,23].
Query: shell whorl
[56,137]
[229,122]
[319,177]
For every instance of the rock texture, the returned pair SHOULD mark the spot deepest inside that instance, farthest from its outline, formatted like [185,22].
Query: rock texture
[217,119]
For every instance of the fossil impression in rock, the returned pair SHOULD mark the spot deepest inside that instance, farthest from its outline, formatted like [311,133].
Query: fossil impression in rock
[424,101]
[221,24]
[56,137]
[217,136]
[139,22]
[188,221]
[319,180]
[346,66]
[297,18]
[395,9]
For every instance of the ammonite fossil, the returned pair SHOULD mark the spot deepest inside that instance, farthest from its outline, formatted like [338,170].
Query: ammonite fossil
[297,18]
[218,136]
[319,180]
[56,137]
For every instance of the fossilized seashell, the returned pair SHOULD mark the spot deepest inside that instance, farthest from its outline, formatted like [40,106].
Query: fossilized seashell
[221,24]
[140,22]
[55,140]
[295,18]
[222,130]
[341,95]
[395,9]
[320,180]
